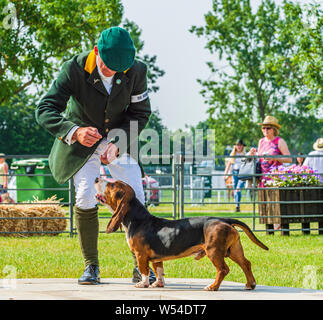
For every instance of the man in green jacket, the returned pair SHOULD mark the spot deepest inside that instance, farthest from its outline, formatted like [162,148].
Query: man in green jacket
[109,106]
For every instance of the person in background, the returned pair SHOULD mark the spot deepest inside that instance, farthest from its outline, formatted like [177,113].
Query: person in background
[235,163]
[228,181]
[316,163]
[270,145]
[299,160]
[3,174]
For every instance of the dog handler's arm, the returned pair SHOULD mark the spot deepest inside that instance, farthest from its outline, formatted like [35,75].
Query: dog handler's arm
[50,108]
[53,103]
[87,136]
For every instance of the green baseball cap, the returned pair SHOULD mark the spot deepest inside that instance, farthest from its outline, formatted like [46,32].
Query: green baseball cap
[116,49]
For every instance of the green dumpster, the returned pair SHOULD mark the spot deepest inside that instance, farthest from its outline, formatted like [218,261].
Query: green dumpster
[32,169]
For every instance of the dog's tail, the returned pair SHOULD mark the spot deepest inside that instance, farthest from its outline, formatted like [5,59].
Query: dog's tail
[247,230]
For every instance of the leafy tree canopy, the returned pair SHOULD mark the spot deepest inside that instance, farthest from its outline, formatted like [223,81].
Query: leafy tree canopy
[38,35]
[18,130]
[275,59]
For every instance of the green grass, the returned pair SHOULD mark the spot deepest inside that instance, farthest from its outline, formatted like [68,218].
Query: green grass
[285,263]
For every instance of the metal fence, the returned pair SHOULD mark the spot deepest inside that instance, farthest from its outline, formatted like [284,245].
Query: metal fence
[198,188]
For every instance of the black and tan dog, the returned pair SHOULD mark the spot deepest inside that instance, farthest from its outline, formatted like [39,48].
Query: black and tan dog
[155,240]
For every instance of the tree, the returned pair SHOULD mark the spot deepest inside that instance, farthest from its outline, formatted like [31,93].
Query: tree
[254,86]
[302,32]
[148,138]
[44,33]
[155,122]
[301,128]
[153,72]
[38,35]
[18,130]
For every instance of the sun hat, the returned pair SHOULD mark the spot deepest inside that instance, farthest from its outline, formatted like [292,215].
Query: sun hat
[116,49]
[318,145]
[2,155]
[270,121]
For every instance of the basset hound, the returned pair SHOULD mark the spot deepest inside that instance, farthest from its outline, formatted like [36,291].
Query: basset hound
[155,240]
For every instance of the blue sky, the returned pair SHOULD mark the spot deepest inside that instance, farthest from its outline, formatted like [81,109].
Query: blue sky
[165,30]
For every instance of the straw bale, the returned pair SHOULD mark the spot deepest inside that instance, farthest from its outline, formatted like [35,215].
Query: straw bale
[36,208]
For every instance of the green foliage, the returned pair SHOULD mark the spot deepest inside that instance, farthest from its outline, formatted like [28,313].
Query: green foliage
[300,127]
[45,33]
[153,72]
[155,122]
[38,35]
[302,31]
[145,139]
[272,65]
[18,129]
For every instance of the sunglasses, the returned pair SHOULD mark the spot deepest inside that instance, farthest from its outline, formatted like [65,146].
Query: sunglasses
[266,128]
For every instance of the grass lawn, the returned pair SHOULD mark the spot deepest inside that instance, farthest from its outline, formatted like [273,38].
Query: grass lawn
[289,262]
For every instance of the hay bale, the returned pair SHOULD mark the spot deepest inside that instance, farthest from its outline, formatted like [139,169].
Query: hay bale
[30,210]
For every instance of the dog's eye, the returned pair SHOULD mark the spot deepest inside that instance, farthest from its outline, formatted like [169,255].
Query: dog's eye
[112,185]
[119,195]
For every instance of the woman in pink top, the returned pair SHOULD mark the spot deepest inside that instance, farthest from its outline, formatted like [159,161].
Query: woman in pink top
[271,144]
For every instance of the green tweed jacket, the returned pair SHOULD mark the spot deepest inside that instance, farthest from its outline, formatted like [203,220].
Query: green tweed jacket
[91,105]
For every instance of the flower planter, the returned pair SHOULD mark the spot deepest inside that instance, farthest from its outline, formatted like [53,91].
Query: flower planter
[277,213]
[301,202]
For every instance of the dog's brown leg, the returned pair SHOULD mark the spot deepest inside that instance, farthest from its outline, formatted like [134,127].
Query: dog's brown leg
[237,255]
[217,258]
[143,265]
[159,270]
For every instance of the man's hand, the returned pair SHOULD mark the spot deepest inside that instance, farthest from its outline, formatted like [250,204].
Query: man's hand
[87,136]
[110,154]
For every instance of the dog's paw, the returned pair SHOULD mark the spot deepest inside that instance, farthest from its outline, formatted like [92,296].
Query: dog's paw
[158,284]
[250,286]
[210,288]
[141,284]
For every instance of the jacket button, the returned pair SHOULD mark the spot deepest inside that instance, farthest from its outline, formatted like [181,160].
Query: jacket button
[107,120]
[107,130]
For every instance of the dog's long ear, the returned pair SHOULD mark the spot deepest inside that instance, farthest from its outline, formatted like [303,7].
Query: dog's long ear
[122,198]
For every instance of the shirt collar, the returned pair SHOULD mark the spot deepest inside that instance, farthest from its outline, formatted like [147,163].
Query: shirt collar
[102,76]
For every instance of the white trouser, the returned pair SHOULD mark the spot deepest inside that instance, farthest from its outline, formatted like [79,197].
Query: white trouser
[124,168]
